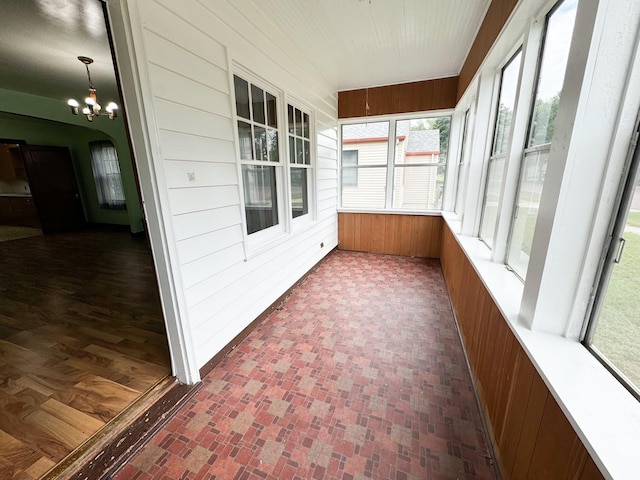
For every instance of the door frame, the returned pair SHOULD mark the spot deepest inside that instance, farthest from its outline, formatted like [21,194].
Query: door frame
[142,132]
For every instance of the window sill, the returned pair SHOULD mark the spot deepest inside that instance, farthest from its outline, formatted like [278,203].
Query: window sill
[603,413]
[432,213]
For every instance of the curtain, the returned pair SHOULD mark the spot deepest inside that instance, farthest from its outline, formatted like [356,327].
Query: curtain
[106,172]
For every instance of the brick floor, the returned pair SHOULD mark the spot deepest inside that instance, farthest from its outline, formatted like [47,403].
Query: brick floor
[359,375]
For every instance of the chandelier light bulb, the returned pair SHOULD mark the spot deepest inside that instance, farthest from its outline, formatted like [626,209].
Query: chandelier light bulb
[92,107]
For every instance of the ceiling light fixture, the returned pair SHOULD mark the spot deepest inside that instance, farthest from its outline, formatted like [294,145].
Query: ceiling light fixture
[92,108]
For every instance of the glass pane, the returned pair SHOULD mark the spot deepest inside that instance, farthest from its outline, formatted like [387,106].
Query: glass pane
[554,63]
[349,175]
[242,97]
[419,140]
[261,143]
[506,104]
[491,200]
[524,224]
[299,152]
[370,140]
[257,97]
[617,332]
[298,114]
[299,192]
[292,150]
[260,199]
[418,188]
[307,152]
[244,136]
[305,125]
[292,125]
[460,186]
[272,143]
[272,116]
[368,190]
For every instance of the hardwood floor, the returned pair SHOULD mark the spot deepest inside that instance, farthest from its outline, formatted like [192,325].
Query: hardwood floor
[81,337]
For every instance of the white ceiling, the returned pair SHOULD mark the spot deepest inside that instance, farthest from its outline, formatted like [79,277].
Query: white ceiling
[364,43]
[354,43]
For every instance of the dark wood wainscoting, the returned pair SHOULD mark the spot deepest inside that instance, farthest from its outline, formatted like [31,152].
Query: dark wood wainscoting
[394,234]
[531,435]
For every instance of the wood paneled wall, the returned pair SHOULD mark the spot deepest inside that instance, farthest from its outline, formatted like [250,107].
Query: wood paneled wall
[400,98]
[394,234]
[532,437]
[495,18]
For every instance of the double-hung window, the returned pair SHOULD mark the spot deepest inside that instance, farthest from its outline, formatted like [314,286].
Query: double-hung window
[276,158]
[555,54]
[299,133]
[106,173]
[497,160]
[396,164]
[258,137]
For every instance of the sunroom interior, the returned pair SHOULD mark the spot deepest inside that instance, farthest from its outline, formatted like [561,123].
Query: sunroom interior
[262,142]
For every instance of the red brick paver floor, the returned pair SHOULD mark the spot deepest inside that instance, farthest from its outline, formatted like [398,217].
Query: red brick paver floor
[360,374]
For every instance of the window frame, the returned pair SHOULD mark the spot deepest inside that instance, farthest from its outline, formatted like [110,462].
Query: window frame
[310,167]
[494,156]
[391,165]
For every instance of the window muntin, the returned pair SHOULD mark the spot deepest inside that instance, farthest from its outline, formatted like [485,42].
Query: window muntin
[106,174]
[258,139]
[555,55]
[502,133]
[407,174]
[299,133]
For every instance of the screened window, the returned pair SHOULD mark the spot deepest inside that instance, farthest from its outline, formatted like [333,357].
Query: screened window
[349,168]
[106,173]
[614,329]
[299,133]
[555,54]
[459,178]
[370,142]
[406,174]
[258,139]
[497,160]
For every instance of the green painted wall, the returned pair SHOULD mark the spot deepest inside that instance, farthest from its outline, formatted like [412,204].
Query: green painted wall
[46,121]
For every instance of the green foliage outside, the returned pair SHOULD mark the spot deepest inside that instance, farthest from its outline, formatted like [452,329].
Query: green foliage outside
[544,119]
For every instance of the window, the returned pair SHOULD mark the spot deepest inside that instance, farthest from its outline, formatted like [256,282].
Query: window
[299,159]
[349,168]
[555,54]
[613,332]
[406,174]
[459,200]
[106,173]
[258,139]
[497,160]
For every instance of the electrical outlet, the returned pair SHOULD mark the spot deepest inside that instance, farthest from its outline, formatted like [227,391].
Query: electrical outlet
[191,176]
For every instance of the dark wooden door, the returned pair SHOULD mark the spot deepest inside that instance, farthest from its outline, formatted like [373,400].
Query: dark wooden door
[54,188]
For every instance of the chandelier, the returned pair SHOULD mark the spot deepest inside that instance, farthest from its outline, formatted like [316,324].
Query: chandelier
[92,108]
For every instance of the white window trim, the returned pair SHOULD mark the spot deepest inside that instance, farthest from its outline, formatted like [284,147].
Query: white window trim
[390,165]
[311,216]
[605,416]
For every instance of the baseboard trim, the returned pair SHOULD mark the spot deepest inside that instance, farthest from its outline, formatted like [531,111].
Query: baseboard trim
[217,358]
[106,451]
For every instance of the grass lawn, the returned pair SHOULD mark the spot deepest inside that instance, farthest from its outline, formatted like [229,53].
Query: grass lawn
[634,219]
[618,331]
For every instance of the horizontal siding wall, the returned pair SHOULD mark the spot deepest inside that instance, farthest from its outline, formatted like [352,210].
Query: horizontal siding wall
[393,234]
[183,52]
[531,435]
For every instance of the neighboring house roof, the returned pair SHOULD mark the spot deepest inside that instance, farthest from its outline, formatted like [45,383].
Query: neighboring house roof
[424,141]
[420,141]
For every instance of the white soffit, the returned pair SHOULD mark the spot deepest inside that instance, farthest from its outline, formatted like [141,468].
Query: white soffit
[358,43]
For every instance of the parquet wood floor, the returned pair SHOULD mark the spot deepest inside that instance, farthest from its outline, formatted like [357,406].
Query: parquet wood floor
[81,337]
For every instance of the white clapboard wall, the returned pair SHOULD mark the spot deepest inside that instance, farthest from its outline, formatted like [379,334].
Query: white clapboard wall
[183,53]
